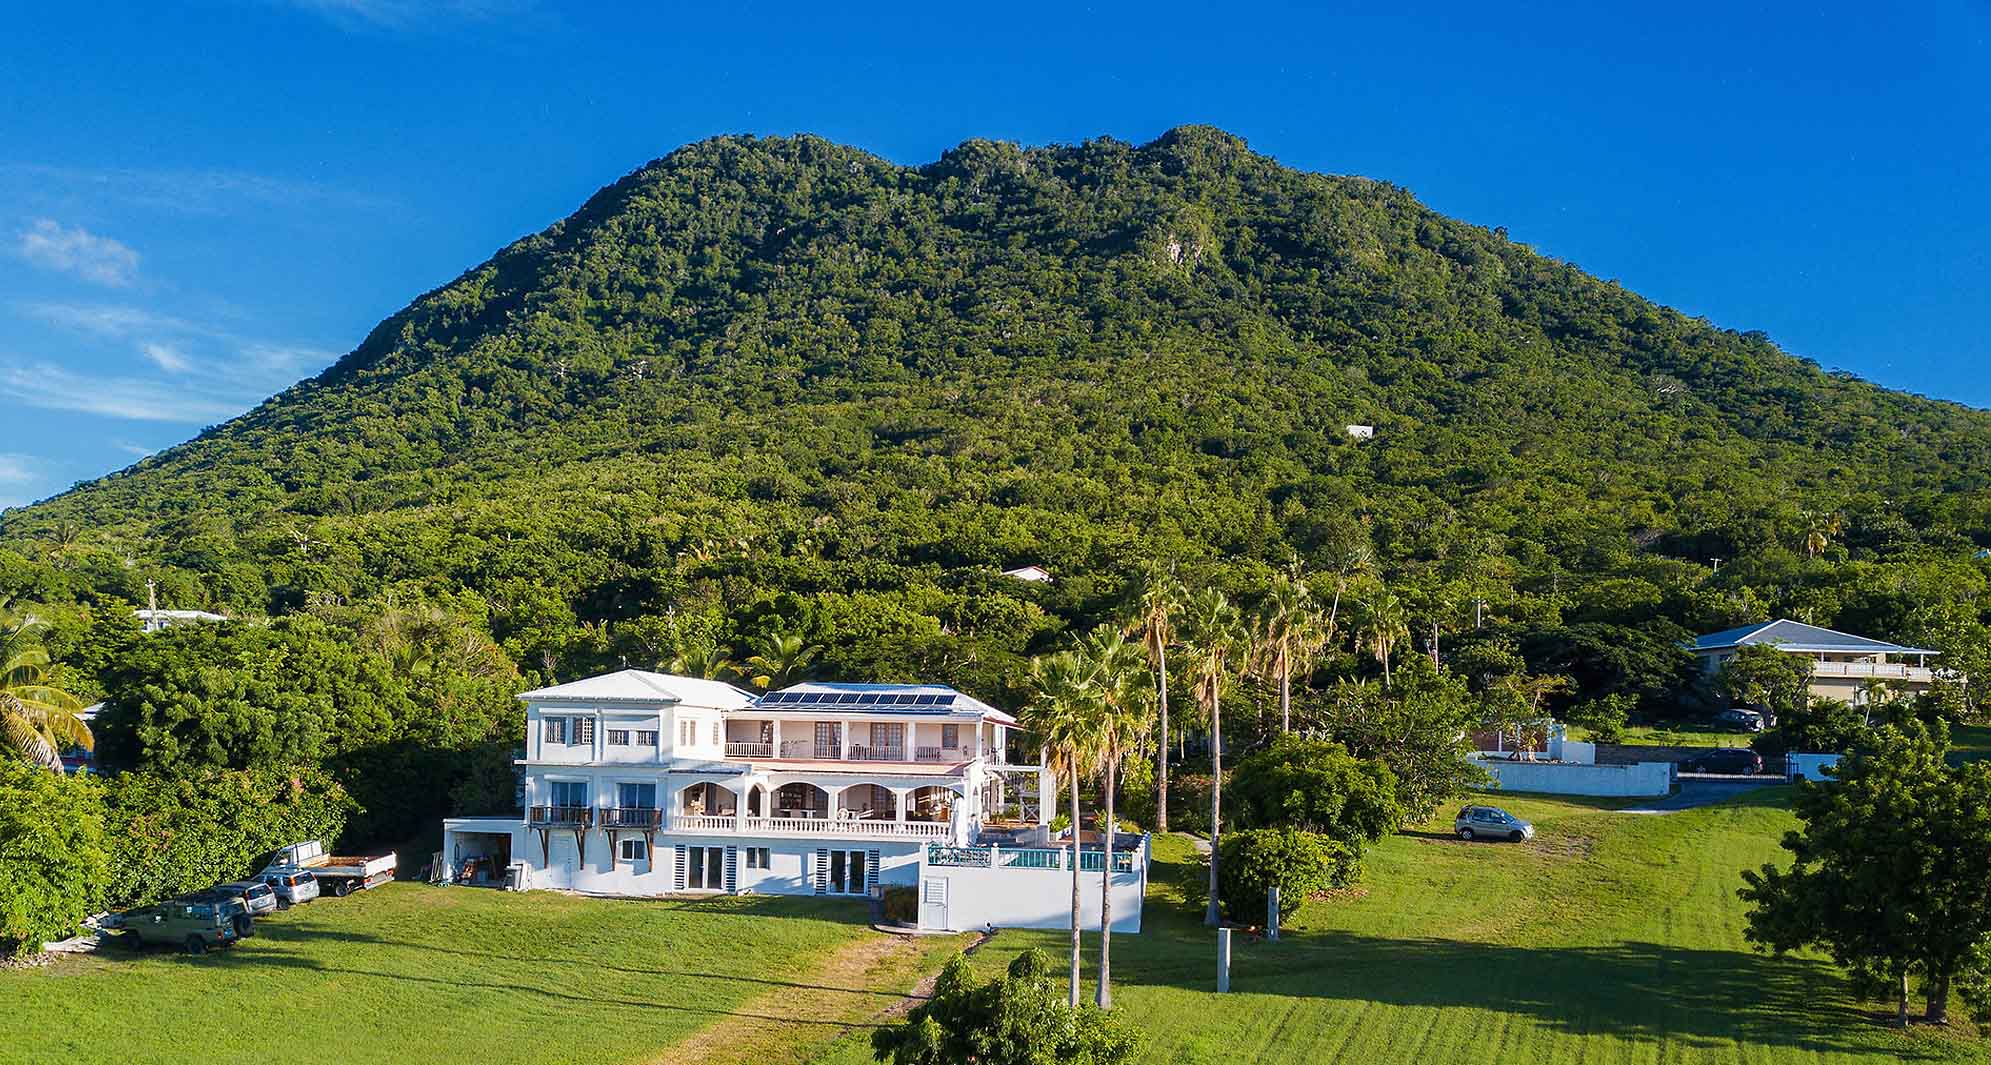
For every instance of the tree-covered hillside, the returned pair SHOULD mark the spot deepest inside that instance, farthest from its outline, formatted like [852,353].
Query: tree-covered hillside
[767,386]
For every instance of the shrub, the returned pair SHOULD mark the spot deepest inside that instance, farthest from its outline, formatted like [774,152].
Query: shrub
[901,904]
[1300,864]
[1604,718]
[1316,786]
[169,835]
[52,856]
[1019,1018]
[1137,791]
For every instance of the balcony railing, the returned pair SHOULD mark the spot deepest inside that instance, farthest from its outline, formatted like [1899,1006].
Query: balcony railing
[566,816]
[640,817]
[1878,670]
[704,822]
[808,750]
[856,826]
[994,857]
[738,749]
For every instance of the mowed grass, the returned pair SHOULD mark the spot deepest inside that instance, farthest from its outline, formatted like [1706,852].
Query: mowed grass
[411,973]
[1612,937]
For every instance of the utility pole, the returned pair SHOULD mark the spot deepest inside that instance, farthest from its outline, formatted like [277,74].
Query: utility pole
[1717,564]
[151,595]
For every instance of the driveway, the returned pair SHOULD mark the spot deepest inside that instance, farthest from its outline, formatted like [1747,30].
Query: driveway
[1701,789]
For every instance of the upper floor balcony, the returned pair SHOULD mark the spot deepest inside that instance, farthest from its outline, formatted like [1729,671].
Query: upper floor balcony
[560,816]
[1900,671]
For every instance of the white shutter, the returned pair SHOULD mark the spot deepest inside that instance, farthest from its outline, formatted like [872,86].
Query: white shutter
[732,870]
[822,871]
[678,876]
[870,870]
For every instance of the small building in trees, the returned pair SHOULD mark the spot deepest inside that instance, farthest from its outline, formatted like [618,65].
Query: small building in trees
[1033,574]
[1842,664]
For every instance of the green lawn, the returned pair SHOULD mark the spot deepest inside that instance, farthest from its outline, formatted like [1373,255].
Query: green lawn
[1611,938]
[410,973]
[1673,736]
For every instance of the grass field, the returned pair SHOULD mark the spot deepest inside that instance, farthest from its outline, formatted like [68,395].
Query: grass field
[410,973]
[1610,938]
[1672,736]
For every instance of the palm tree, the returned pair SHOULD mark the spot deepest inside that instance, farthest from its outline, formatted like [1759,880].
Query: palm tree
[1286,634]
[702,658]
[1215,634]
[1819,529]
[1060,714]
[780,660]
[1357,561]
[37,719]
[1121,702]
[1154,617]
[1381,627]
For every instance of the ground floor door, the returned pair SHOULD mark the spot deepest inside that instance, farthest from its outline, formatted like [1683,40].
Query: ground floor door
[562,858]
[844,872]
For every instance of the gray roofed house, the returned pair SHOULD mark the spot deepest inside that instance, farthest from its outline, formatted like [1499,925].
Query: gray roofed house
[1842,664]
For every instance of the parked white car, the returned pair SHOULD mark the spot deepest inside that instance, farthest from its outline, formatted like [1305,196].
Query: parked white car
[292,886]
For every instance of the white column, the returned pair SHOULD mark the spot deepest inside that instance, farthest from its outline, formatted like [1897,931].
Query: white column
[847,730]
[899,796]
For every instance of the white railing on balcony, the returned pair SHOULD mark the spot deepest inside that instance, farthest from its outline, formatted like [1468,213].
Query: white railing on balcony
[704,822]
[738,749]
[807,750]
[1878,670]
[860,826]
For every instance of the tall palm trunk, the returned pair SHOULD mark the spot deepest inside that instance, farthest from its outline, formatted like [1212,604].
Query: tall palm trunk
[1105,997]
[1161,749]
[1210,916]
[1075,889]
[1285,696]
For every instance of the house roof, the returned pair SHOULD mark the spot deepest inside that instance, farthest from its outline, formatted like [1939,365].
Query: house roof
[1787,635]
[643,686]
[936,700]
[148,614]
[1028,573]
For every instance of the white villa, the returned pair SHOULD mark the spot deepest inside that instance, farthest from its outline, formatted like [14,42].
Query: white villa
[640,783]
[1841,663]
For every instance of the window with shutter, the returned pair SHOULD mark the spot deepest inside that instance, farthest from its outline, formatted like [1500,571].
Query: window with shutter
[584,730]
[553,730]
[950,736]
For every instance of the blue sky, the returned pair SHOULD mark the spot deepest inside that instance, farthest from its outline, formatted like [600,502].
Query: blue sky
[199,207]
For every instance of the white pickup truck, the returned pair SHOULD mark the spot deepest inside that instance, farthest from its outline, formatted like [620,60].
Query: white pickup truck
[338,874]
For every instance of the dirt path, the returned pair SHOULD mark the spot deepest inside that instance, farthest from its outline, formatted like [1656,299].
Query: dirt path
[857,986]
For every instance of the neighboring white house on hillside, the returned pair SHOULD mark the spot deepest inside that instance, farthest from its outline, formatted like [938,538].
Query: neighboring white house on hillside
[1034,574]
[640,783]
[1362,432]
[1841,663]
[153,620]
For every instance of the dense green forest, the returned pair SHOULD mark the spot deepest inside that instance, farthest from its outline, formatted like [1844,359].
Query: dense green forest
[784,386]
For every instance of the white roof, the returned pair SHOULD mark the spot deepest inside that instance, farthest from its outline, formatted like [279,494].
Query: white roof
[1028,573]
[643,686]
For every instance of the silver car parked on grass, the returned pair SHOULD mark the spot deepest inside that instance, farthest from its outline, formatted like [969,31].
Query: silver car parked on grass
[1491,822]
[292,886]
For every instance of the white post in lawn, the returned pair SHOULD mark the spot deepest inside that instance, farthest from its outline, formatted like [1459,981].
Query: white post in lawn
[1272,912]
[1223,960]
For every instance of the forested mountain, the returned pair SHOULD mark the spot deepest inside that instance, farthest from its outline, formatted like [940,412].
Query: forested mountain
[783,385]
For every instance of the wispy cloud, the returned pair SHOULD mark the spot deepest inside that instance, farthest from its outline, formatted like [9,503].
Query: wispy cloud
[17,472]
[166,357]
[138,451]
[203,192]
[51,387]
[74,250]
[209,373]
[410,14]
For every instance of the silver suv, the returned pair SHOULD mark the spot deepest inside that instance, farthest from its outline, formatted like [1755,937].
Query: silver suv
[1491,822]
[292,886]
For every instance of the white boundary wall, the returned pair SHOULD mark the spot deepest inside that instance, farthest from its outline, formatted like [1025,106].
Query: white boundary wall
[1566,778]
[960,898]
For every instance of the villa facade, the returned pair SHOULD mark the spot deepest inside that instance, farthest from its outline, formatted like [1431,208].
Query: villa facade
[640,783]
[1842,664]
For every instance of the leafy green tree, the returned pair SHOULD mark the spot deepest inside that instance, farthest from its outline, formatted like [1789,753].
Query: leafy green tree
[52,856]
[1888,874]
[1012,1019]
[1217,638]
[37,719]
[1420,730]
[1767,678]
[1821,726]
[1316,786]
[1300,864]
[1605,718]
